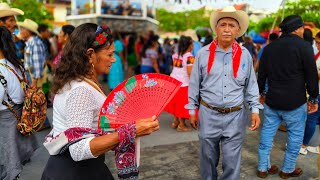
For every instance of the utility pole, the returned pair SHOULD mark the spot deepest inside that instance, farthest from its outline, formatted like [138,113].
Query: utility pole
[283,4]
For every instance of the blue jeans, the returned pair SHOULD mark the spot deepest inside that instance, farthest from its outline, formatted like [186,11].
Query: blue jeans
[167,64]
[311,124]
[295,121]
[146,69]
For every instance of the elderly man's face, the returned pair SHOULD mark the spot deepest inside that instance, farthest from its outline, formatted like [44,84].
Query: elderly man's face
[227,29]
[25,34]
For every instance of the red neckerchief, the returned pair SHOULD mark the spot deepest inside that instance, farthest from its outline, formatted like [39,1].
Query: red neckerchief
[317,56]
[236,55]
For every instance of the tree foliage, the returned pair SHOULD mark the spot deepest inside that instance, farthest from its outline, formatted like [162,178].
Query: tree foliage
[307,9]
[181,21]
[32,10]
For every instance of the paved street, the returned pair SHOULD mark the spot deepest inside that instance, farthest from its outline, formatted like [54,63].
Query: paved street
[168,154]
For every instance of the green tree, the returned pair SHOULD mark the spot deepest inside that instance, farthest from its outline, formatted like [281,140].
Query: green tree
[181,21]
[252,25]
[307,9]
[266,23]
[32,10]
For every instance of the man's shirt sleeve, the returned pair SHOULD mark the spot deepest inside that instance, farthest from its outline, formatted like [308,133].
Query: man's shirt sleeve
[194,86]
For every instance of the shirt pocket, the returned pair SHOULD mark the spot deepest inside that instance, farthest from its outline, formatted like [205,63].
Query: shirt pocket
[241,77]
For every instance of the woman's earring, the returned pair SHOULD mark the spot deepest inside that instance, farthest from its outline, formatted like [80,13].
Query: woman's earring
[92,68]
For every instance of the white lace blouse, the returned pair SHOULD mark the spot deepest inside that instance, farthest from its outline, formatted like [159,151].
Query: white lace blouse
[78,105]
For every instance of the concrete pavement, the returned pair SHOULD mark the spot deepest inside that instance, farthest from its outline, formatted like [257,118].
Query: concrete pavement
[168,154]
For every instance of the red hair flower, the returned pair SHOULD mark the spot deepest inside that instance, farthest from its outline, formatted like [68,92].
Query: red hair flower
[101,39]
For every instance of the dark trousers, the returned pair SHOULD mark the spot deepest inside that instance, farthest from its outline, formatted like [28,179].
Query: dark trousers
[63,167]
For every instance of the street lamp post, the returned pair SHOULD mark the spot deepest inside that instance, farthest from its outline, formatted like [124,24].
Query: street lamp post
[283,4]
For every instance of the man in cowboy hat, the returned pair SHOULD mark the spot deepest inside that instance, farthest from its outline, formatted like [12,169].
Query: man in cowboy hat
[35,52]
[222,80]
[7,18]
[289,67]
[34,55]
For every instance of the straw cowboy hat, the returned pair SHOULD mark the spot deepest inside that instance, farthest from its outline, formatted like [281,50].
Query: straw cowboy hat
[29,25]
[231,12]
[5,10]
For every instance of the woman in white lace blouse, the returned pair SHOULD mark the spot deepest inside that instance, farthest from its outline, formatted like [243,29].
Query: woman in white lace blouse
[76,147]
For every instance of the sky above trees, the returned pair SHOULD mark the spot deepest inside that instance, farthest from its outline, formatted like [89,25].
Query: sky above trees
[269,5]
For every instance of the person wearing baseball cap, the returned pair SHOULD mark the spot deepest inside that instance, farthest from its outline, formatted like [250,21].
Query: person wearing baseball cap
[7,16]
[222,79]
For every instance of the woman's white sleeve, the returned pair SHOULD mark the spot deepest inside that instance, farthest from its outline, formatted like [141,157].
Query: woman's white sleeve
[80,110]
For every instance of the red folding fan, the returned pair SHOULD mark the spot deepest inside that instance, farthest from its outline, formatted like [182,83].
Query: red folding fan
[138,97]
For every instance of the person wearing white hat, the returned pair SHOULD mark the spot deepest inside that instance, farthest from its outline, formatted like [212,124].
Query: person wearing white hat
[34,56]
[222,80]
[7,18]
[35,51]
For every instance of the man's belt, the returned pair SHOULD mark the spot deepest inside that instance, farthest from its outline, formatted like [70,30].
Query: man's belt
[221,110]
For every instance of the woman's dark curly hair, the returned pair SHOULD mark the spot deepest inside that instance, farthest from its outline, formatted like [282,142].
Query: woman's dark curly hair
[74,63]
[184,43]
[8,48]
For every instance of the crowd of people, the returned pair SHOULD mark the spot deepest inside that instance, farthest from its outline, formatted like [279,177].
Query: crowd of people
[219,76]
[111,7]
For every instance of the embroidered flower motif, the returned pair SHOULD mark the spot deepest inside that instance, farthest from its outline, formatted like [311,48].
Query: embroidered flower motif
[190,60]
[119,97]
[112,108]
[150,83]
[144,76]
[75,133]
[177,63]
[100,39]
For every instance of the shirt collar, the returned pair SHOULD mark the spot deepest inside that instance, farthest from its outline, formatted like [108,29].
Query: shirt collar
[31,39]
[218,49]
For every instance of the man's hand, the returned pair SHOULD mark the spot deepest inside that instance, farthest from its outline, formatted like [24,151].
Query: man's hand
[255,121]
[193,121]
[312,107]
[262,99]
[34,83]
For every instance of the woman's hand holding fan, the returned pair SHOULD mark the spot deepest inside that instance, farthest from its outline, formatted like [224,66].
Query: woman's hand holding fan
[147,126]
[139,100]
[139,97]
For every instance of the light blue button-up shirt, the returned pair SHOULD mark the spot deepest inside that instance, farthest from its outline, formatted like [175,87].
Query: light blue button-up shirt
[219,88]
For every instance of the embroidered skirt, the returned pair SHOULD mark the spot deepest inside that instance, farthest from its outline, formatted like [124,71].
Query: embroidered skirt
[15,148]
[63,167]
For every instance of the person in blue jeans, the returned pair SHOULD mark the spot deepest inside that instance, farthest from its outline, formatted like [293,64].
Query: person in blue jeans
[288,66]
[313,118]
[310,129]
